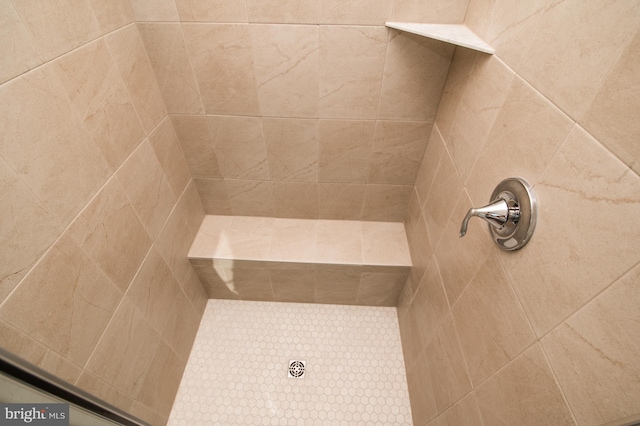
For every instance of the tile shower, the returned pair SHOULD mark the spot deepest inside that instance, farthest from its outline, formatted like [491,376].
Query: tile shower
[125,122]
[354,372]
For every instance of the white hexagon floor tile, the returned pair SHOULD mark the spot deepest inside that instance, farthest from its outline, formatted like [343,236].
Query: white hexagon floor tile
[238,370]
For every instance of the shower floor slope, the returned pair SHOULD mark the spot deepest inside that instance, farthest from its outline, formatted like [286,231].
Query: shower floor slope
[237,373]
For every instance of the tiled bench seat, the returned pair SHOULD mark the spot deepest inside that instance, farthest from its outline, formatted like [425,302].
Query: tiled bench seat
[297,260]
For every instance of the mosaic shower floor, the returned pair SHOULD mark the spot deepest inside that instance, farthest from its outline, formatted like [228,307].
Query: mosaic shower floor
[238,371]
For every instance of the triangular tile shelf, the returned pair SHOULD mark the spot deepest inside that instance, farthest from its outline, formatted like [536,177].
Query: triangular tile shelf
[459,35]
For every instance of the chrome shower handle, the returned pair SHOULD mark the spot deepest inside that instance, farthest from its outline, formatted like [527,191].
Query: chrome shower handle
[496,214]
[511,214]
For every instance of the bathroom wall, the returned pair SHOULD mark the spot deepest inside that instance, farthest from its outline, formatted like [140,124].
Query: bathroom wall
[547,334]
[298,109]
[98,207]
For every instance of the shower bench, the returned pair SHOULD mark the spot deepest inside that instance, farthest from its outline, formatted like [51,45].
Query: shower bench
[299,260]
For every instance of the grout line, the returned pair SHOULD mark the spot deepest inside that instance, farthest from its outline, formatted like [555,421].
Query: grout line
[192,69]
[125,84]
[566,114]
[557,382]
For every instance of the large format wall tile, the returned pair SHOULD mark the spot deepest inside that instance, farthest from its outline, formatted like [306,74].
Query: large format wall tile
[517,144]
[351,66]
[154,291]
[124,354]
[459,259]
[166,147]
[240,147]
[250,197]
[492,326]
[429,165]
[174,242]
[411,344]
[430,303]
[295,199]
[197,144]
[385,203]
[380,289]
[42,143]
[597,346]
[397,150]
[17,46]
[64,303]
[415,72]
[293,285]
[155,10]
[130,56]
[337,287]
[445,192]
[435,11]
[212,10]
[190,207]
[111,235]
[423,404]
[112,14]
[340,201]
[283,11]
[591,36]
[292,149]
[58,27]
[345,150]
[100,388]
[27,230]
[511,28]
[147,188]
[214,194]
[285,63]
[100,101]
[462,65]
[357,12]
[464,412]
[478,15]
[161,383]
[165,45]
[447,370]
[484,93]
[587,187]
[420,248]
[222,59]
[612,115]
[525,392]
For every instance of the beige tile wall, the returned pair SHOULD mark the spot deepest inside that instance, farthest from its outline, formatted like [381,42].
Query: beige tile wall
[548,334]
[293,109]
[98,201]
[98,207]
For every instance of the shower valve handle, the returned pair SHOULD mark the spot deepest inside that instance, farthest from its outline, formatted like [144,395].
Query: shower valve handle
[496,214]
[511,215]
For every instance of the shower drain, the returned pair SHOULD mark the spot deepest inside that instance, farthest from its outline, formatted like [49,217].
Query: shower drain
[297,369]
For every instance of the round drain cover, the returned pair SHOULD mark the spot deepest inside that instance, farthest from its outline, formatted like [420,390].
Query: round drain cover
[296,369]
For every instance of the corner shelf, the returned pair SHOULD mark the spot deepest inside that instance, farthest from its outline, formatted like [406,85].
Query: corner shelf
[459,35]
